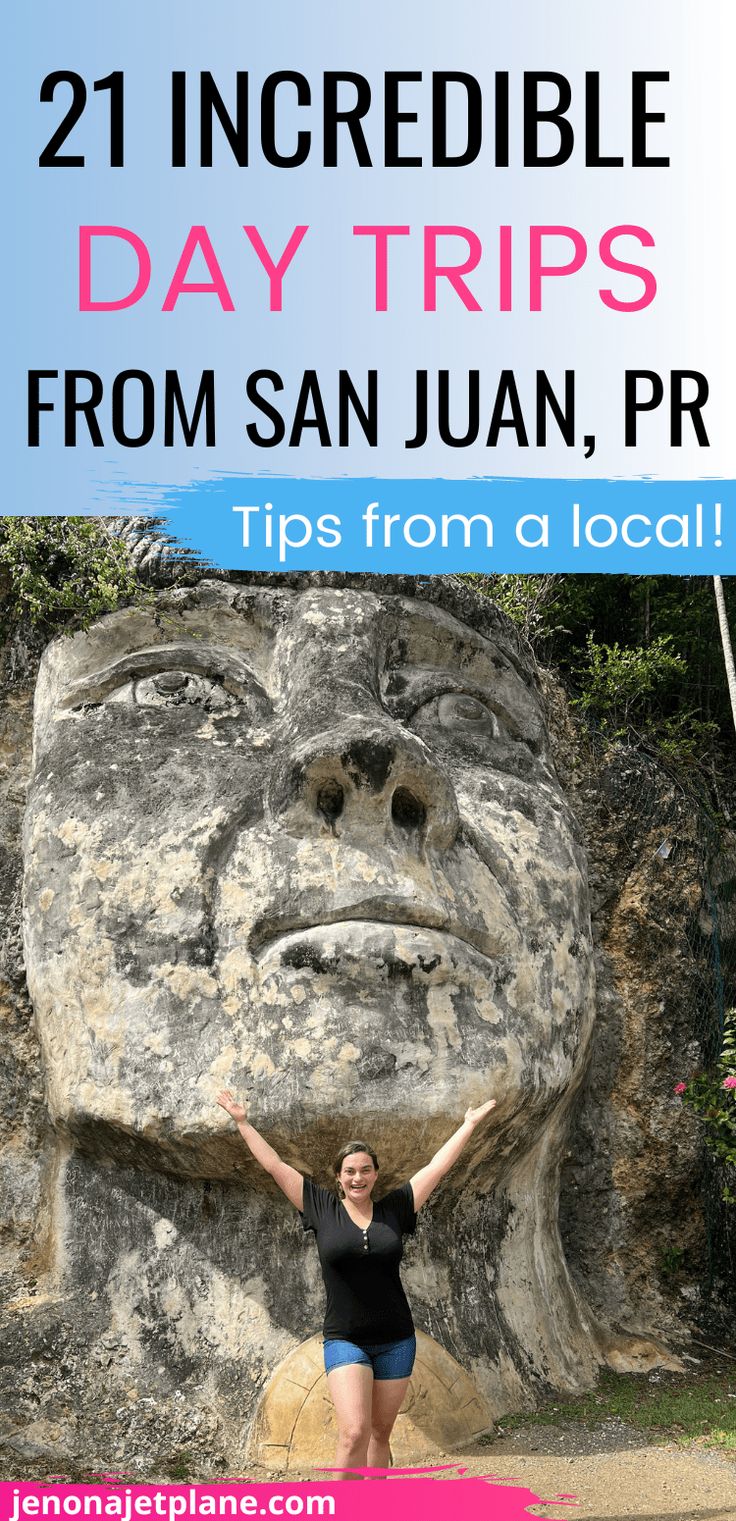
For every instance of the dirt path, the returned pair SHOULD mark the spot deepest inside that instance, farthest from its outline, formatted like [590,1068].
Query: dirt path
[610,1470]
[612,1473]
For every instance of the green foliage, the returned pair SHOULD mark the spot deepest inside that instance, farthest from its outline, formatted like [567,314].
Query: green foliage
[712,1096]
[61,572]
[625,691]
[665,1406]
[617,682]
[642,654]
[673,1258]
[529,601]
[179,1466]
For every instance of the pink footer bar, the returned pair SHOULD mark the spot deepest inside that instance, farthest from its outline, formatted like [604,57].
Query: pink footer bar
[411,1492]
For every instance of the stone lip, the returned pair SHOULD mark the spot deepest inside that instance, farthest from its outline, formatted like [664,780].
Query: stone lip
[428,928]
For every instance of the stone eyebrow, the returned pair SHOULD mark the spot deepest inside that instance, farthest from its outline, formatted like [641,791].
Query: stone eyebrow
[423,641]
[198,657]
[461,661]
[463,656]
[421,682]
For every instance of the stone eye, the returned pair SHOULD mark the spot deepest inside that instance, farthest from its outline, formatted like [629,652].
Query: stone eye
[172,689]
[170,681]
[463,713]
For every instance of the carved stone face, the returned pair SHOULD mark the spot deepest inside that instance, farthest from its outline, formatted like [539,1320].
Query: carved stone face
[307,845]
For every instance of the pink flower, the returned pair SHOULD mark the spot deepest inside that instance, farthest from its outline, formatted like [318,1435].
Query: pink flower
[680,1088]
[729,1082]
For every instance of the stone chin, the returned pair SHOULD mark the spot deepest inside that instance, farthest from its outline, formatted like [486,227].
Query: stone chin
[403,1078]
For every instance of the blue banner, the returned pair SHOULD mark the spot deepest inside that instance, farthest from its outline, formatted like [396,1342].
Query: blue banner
[429,526]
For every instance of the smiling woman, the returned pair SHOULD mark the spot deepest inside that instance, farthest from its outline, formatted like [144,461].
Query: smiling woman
[369,1340]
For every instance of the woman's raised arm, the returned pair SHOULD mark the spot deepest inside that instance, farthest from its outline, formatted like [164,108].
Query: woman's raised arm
[288,1179]
[428,1177]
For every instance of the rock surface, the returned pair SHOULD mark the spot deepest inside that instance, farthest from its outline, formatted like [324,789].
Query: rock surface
[309,842]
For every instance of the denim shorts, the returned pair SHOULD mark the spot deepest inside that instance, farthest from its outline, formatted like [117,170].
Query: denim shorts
[388,1359]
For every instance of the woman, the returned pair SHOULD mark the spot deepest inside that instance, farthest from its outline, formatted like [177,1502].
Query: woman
[369,1341]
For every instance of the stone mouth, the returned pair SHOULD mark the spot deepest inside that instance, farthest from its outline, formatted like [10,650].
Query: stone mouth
[482,942]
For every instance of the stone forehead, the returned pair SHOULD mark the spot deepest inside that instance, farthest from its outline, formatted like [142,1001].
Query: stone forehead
[276,599]
[160,565]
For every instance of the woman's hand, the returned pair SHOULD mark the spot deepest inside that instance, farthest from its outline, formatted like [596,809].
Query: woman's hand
[473,1116]
[235,1110]
[428,1177]
[288,1179]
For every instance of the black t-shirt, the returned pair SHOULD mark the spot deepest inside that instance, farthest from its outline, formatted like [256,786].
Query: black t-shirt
[366,1303]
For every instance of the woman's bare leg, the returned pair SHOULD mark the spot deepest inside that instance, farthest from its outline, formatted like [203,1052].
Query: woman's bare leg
[351,1388]
[388,1397]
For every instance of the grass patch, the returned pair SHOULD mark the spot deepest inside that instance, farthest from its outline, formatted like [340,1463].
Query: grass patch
[179,1466]
[679,1407]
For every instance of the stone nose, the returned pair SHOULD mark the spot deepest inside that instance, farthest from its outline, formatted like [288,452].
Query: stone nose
[358,776]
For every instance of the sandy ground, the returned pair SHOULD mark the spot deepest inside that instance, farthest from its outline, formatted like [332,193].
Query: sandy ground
[609,1470]
[611,1473]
